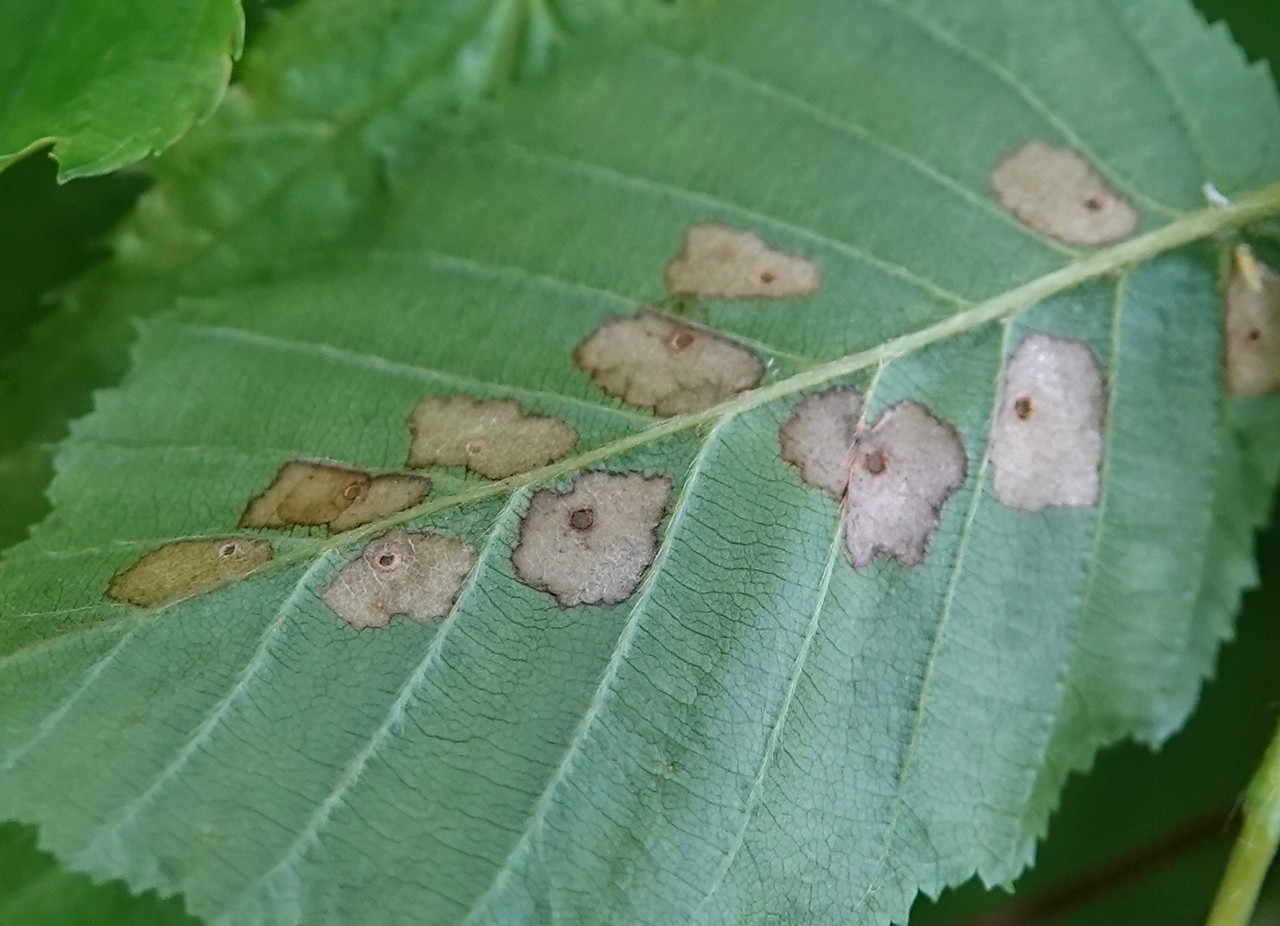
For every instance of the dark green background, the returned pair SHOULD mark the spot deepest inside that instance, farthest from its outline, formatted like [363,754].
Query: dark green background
[1133,799]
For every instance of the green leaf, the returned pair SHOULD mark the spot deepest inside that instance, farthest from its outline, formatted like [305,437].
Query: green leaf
[106,84]
[1135,799]
[298,152]
[759,732]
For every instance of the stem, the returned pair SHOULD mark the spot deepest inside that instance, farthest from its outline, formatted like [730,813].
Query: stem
[1255,846]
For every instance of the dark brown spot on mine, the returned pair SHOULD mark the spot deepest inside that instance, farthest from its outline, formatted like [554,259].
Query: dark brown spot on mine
[767,277]
[388,560]
[1023,408]
[582,518]
[681,339]
[230,548]
[1255,334]
[875,462]
[1093,203]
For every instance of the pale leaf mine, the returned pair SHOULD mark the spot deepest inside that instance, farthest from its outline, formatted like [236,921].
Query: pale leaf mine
[1252,328]
[340,497]
[387,494]
[1046,443]
[188,567]
[893,477]
[651,361]
[417,575]
[818,436]
[592,543]
[495,438]
[1056,192]
[723,262]
[902,470]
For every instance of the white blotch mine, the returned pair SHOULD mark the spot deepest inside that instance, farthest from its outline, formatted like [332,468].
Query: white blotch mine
[1252,327]
[902,471]
[340,497]
[417,575]
[1046,444]
[592,543]
[1056,192]
[188,567]
[722,262]
[495,438]
[818,438]
[651,361]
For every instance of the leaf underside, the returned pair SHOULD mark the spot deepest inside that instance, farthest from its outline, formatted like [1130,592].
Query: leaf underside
[760,733]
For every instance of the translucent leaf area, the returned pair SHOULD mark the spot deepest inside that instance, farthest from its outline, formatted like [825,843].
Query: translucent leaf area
[635,655]
[106,84]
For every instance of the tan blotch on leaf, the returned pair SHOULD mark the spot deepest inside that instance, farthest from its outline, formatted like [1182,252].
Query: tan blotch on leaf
[495,438]
[339,497]
[651,361]
[723,262]
[1057,193]
[1252,327]
[818,437]
[902,471]
[188,567]
[1046,444]
[412,574]
[591,544]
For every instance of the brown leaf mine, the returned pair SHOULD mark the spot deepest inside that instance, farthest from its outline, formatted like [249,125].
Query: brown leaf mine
[1056,192]
[1252,327]
[340,497]
[1046,443]
[592,543]
[495,438]
[188,567]
[722,262]
[417,575]
[818,436]
[651,361]
[386,495]
[901,473]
